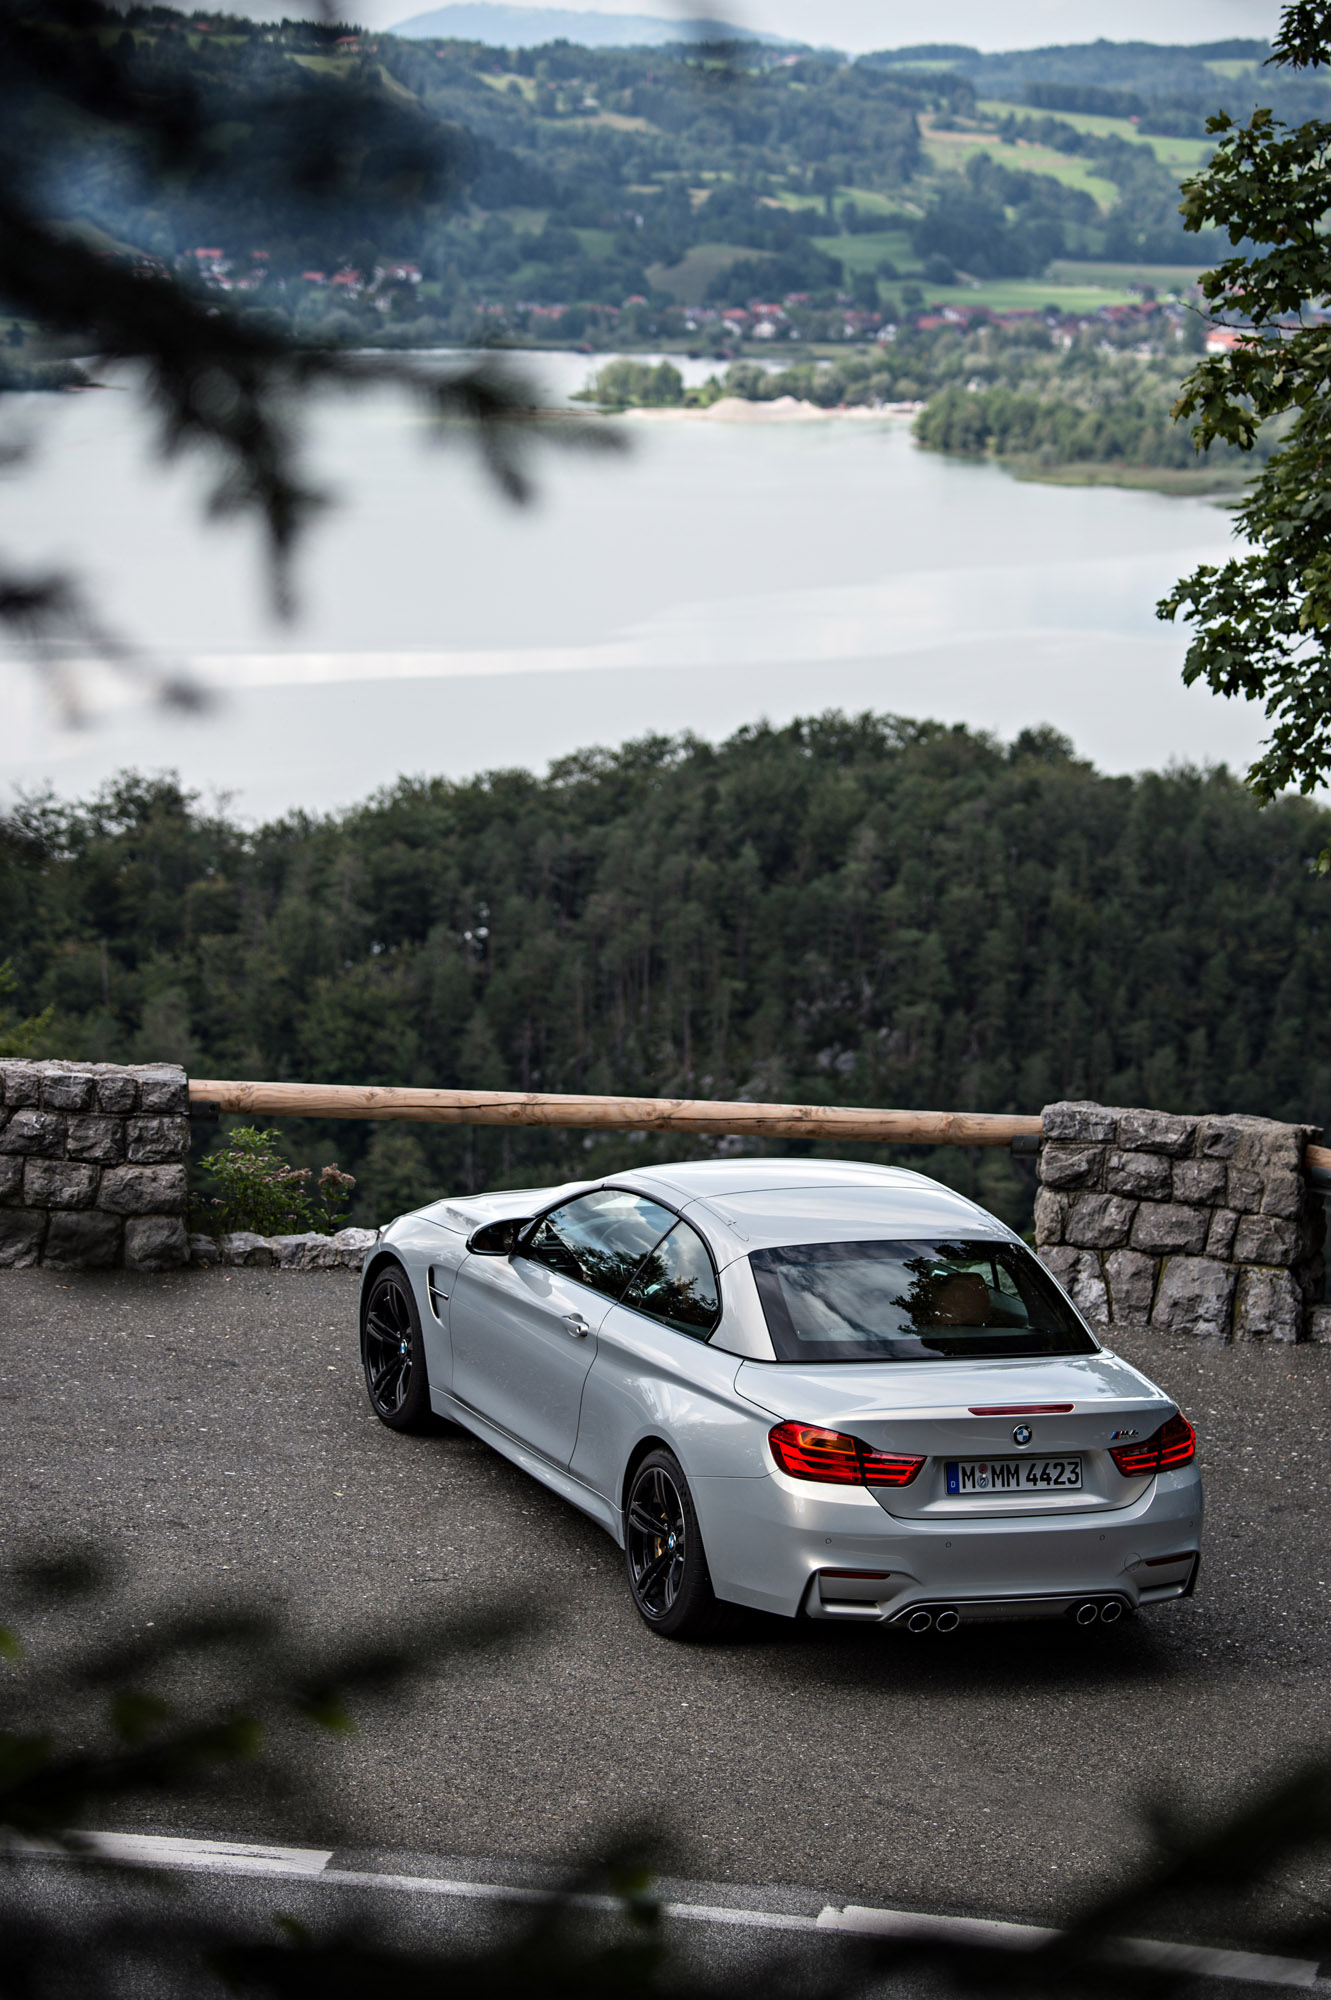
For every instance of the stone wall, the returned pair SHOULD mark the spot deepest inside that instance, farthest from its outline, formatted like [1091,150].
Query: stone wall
[93,1165]
[1206,1225]
[1200,1225]
[344,1251]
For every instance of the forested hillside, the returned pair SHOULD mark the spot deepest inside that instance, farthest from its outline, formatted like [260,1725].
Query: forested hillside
[863,911]
[477,189]
[1168,87]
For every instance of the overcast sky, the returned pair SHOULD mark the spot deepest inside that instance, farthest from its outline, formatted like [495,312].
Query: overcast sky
[985,24]
[1003,24]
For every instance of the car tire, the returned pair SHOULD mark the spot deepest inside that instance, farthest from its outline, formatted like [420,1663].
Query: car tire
[392,1353]
[664,1556]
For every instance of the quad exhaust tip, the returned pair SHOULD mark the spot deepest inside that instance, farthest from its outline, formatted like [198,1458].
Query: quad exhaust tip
[946,1617]
[1096,1611]
[946,1620]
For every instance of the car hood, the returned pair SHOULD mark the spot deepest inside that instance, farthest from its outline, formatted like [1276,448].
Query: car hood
[468,1212]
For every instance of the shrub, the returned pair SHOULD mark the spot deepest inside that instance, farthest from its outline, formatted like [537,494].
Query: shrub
[257,1190]
[625,384]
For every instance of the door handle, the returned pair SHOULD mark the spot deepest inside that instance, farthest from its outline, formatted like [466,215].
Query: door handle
[576,1325]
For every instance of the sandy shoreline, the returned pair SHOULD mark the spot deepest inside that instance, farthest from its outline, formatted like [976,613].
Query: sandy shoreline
[783,409]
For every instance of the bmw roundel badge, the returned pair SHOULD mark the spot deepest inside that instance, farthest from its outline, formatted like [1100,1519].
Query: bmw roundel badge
[1022,1434]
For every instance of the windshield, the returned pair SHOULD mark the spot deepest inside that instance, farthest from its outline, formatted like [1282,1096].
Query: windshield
[913,1301]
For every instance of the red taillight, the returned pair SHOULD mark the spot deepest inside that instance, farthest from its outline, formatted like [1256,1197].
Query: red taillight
[837,1460]
[1178,1442]
[1173,1444]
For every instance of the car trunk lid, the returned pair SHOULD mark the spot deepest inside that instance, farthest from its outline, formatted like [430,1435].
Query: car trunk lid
[953,1412]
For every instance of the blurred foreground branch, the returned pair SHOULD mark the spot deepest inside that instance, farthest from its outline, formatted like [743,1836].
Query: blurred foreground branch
[216,384]
[211,1699]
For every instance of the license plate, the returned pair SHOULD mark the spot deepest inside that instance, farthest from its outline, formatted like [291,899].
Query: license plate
[1013,1475]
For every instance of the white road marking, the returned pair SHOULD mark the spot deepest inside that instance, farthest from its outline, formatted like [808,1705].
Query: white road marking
[504,1892]
[1204,1961]
[232,1857]
[219,1857]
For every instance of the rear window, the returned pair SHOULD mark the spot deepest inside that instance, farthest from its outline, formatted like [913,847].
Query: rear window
[913,1301]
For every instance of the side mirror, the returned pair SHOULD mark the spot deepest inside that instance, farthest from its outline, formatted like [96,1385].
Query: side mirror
[497,1239]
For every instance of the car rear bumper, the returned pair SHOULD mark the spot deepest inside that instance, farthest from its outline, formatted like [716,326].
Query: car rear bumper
[779,1549]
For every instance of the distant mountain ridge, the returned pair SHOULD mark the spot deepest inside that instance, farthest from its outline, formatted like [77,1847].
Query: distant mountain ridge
[528,27]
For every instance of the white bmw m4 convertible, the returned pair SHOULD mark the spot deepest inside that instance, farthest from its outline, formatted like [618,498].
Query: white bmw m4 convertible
[814,1388]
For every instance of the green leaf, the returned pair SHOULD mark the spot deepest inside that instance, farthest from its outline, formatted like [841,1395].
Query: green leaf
[328,1710]
[134,1715]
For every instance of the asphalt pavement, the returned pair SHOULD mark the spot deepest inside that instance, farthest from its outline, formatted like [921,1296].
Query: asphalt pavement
[210,1428]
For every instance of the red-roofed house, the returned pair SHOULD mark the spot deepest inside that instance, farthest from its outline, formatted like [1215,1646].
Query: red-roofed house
[1223,340]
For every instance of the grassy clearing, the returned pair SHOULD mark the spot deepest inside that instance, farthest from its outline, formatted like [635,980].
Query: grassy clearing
[1011,294]
[864,253]
[687,281]
[1160,277]
[1184,154]
[951,150]
[1071,287]
[596,242]
[526,84]
[870,201]
[531,221]
[394,88]
[618,121]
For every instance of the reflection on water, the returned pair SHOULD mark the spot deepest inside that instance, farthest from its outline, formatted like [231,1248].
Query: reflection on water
[723,573]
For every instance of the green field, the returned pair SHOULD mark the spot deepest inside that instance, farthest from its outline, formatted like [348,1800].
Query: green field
[1011,294]
[1071,287]
[526,85]
[687,281]
[870,201]
[1160,277]
[617,121]
[1186,155]
[863,253]
[1233,66]
[952,150]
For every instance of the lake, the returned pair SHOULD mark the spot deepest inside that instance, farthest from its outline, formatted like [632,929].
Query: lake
[717,574]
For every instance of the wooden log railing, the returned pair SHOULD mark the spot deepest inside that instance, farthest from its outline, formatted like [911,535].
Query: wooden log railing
[850,1124]
[611,1114]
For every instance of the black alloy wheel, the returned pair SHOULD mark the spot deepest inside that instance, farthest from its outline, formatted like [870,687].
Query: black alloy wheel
[393,1354]
[667,1567]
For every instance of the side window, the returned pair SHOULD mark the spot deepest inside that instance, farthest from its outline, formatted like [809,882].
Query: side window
[677,1285]
[600,1239]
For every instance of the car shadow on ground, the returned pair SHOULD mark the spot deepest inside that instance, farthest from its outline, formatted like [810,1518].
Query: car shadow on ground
[1017,1656]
